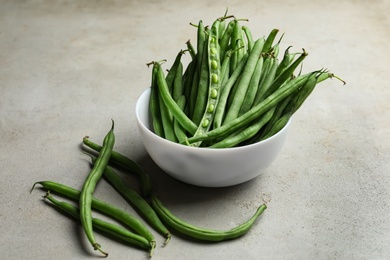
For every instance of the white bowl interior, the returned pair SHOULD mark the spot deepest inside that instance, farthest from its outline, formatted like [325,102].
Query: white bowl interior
[206,167]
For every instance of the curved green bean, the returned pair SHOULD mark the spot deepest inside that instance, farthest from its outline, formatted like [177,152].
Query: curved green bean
[89,187]
[202,233]
[179,115]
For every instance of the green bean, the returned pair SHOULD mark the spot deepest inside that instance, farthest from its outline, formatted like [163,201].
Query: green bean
[173,70]
[275,117]
[249,37]
[107,227]
[284,63]
[177,128]
[102,206]
[136,201]
[179,115]
[267,80]
[298,99]
[89,187]
[285,74]
[177,90]
[202,233]
[167,121]
[254,112]
[191,49]
[127,164]
[225,91]
[201,96]
[252,88]
[236,40]
[279,124]
[188,78]
[244,82]
[225,68]
[214,65]
[269,40]
[154,106]
[245,133]
[225,38]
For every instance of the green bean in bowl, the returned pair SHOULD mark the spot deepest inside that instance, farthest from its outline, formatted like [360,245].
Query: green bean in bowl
[222,117]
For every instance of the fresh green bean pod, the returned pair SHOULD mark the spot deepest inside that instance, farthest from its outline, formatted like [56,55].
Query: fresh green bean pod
[214,69]
[154,106]
[179,115]
[177,90]
[284,63]
[203,86]
[178,129]
[225,38]
[202,233]
[269,40]
[90,185]
[191,49]
[107,227]
[173,70]
[249,37]
[167,121]
[237,41]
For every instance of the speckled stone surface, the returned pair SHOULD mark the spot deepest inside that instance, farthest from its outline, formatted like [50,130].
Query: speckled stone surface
[68,67]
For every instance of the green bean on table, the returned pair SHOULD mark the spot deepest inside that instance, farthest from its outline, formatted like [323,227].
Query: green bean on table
[89,187]
[201,233]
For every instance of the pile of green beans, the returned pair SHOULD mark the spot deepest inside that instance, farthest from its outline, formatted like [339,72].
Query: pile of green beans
[234,91]
[145,202]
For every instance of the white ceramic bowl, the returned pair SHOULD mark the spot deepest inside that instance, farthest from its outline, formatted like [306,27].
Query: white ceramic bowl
[207,167]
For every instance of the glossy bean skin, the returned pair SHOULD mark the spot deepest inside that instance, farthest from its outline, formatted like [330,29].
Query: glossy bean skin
[201,233]
[107,227]
[114,212]
[89,187]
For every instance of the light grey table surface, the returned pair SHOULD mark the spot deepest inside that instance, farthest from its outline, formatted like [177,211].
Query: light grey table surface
[68,67]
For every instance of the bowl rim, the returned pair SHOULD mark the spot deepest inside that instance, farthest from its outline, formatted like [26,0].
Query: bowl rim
[182,146]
